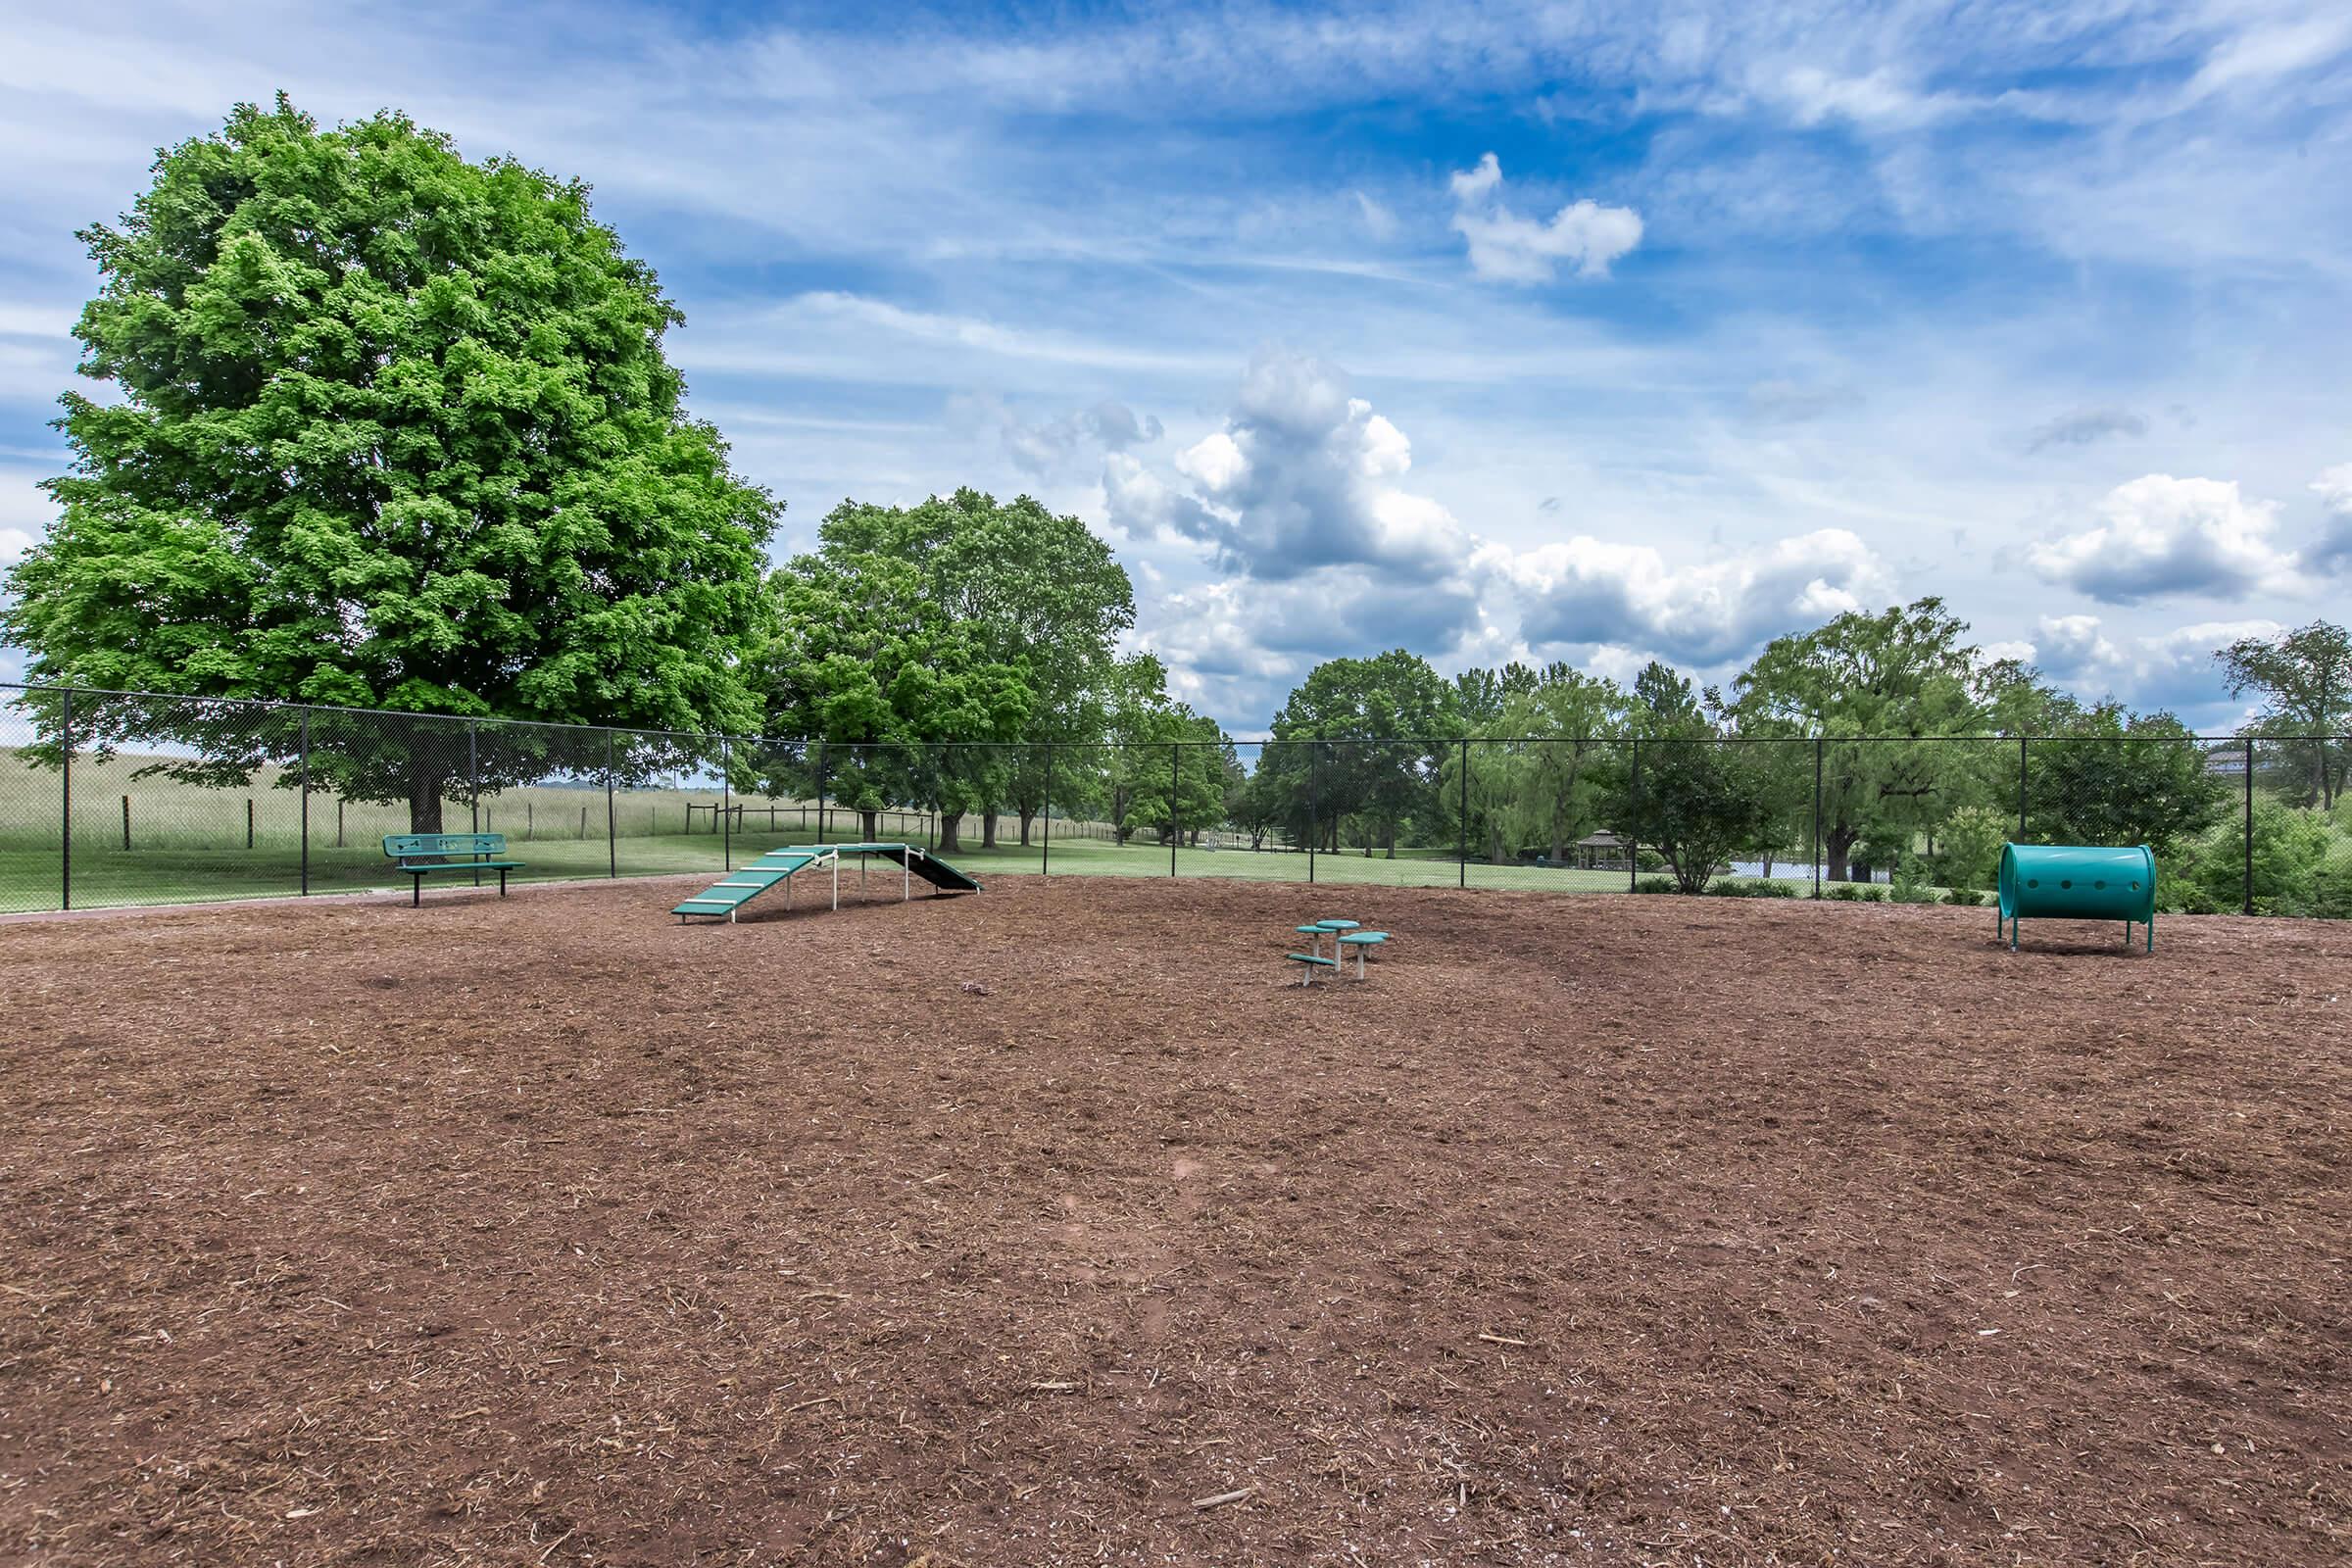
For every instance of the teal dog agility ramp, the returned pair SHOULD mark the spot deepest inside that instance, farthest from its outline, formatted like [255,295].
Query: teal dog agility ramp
[779,868]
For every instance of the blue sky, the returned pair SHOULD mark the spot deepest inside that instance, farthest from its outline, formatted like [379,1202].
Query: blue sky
[1587,331]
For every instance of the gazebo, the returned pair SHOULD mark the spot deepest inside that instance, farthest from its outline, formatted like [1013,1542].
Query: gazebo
[1602,852]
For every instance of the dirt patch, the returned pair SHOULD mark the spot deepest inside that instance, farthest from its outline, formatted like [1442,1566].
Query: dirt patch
[1008,1229]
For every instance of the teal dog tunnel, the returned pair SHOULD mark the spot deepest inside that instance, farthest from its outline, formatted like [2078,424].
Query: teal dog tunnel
[2078,882]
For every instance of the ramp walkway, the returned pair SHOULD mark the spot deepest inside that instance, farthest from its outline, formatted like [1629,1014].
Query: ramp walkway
[918,860]
[739,887]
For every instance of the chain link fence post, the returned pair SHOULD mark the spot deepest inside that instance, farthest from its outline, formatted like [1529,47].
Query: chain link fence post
[64,837]
[473,779]
[1175,783]
[1314,756]
[1819,745]
[2022,744]
[306,805]
[1462,847]
[2249,862]
[1044,866]
[726,805]
[1633,840]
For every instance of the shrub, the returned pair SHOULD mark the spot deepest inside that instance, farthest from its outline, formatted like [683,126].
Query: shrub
[1968,845]
[1969,898]
[1656,884]
[1751,888]
[1856,892]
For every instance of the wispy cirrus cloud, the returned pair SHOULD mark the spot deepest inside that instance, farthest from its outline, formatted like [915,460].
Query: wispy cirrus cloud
[2084,426]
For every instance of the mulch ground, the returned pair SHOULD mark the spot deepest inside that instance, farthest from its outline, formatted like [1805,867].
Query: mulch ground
[1024,1228]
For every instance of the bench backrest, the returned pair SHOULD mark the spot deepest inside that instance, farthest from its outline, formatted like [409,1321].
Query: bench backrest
[443,846]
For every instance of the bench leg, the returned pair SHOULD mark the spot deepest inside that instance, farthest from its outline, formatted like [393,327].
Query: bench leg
[415,890]
[502,884]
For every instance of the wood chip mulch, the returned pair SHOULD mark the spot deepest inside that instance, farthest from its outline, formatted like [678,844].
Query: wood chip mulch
[1056,1225]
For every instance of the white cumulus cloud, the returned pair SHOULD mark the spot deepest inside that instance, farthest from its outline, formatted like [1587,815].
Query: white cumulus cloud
[2171,669]
[1512,249]
[1302,476]
[1585,590]
[2158,535]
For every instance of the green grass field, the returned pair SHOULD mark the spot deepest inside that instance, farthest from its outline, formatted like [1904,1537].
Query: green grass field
[188,844]
[31,872]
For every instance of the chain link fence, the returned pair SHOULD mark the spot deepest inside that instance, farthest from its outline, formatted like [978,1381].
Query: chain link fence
[120,798]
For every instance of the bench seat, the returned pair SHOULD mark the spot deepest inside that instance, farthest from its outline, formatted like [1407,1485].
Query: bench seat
[418,855]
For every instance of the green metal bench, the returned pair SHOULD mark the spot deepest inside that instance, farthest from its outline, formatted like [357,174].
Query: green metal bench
[419,856]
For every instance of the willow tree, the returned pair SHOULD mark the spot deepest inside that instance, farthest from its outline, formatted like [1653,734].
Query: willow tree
[387,430]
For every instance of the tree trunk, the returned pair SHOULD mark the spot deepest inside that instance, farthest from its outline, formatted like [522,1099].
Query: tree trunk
[988,829]
[872,827]
[948,821]
[1028,816]
[1840,843]
[424,802]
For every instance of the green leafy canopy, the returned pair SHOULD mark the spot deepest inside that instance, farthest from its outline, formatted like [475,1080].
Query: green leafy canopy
[392,430]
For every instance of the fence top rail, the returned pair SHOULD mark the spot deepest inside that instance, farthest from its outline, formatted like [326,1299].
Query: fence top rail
[29,688]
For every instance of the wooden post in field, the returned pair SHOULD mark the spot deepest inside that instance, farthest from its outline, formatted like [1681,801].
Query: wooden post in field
[249,821]
[127,825]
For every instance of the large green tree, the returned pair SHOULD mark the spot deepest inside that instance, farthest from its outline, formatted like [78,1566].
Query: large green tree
[1383,724]
[2304,678]
[1694,797]
[1534,784]
[866,658]
[1887,682]
[1024,587]
[393,429]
